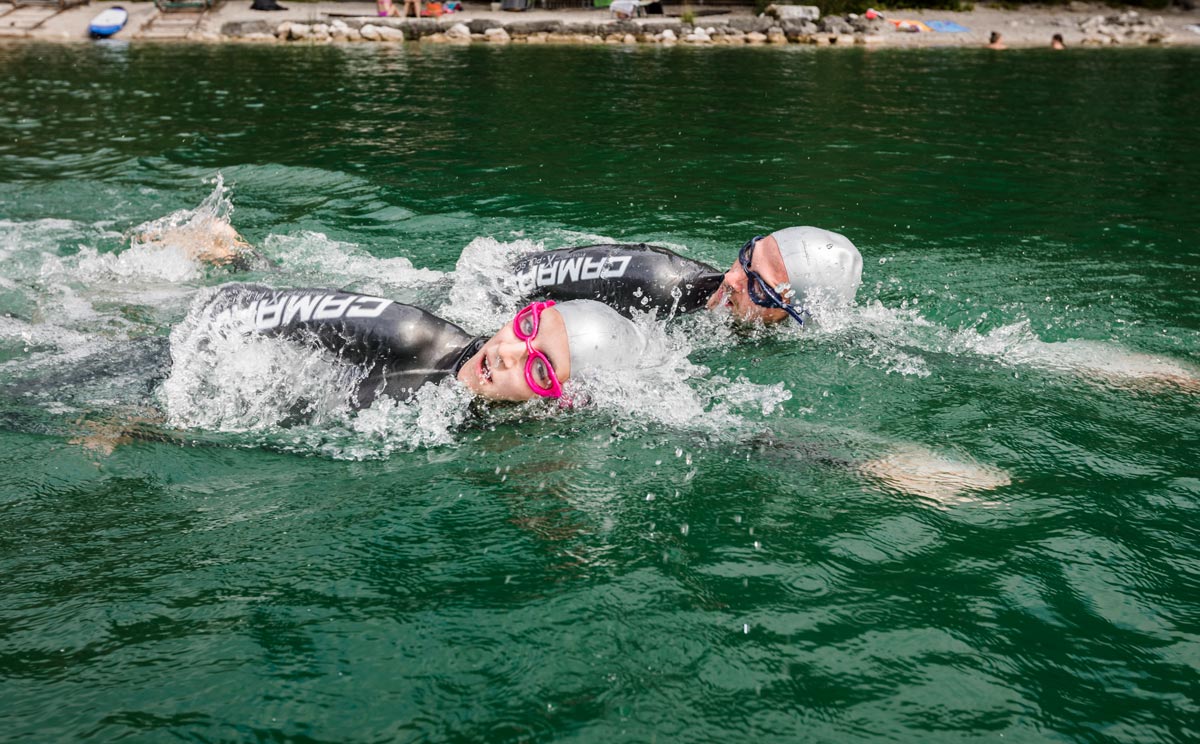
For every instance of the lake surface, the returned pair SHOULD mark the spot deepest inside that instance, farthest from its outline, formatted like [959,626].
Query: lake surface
[965,508]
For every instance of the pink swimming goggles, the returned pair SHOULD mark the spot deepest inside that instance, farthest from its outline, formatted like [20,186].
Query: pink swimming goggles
[539,373]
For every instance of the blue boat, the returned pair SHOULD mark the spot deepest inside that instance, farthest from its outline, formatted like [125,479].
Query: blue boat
[108,22]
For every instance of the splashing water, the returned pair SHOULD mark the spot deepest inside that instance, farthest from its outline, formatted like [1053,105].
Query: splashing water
[225,377]
[485,293]
[895,340]
[313,259]
[175,248]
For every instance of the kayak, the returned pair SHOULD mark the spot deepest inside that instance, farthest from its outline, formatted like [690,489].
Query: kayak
[108,22]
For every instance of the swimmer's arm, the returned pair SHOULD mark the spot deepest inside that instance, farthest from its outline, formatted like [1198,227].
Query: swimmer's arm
[623,276]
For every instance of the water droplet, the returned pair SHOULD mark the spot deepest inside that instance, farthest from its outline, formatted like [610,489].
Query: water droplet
[683,529]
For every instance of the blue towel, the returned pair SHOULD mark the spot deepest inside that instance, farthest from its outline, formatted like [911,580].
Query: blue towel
[946,27]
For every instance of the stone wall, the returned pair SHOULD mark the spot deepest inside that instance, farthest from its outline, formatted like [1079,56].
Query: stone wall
[733,30]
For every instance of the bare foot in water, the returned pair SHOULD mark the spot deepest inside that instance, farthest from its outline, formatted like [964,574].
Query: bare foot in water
[921,472]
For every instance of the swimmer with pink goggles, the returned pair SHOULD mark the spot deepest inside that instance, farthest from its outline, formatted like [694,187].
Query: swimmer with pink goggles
[539,372]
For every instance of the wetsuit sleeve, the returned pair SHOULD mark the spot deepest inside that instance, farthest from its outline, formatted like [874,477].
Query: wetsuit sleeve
[401,347]
[623,276]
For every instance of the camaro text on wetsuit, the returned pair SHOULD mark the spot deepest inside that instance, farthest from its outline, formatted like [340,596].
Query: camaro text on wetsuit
[559,270]
[285,308]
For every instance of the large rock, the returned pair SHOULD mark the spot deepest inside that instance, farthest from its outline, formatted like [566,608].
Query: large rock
[798,29]
[657,27]
[1125,28]
[387,33]
[245,28]
[481,25]
[369,32]
[835,25]
[459,31]
[794,12]
[497,36]
[749,24]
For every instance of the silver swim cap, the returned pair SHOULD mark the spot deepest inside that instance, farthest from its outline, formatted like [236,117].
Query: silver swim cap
[600,337]
[821,265]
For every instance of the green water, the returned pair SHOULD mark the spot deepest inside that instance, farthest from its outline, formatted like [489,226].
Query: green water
[777,543]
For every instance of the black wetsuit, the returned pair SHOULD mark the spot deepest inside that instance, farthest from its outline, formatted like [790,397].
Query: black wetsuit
[622,276]
[401,347]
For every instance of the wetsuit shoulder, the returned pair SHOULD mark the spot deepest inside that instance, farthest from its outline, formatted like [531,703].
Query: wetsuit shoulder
[622,275]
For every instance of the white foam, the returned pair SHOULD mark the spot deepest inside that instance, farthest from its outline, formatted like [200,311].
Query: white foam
[667,389]
[225,377]
[485,293]
[315,259]
[896,339]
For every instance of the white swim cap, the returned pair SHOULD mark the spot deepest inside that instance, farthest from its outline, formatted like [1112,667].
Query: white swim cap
[821,265]
[600,337]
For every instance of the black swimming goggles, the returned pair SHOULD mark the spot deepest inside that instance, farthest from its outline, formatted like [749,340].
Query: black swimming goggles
[762,294]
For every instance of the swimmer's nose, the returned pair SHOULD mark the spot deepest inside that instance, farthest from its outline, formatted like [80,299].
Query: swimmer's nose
[511,352]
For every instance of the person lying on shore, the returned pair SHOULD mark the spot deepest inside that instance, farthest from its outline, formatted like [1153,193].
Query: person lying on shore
[398,348]
[774,277]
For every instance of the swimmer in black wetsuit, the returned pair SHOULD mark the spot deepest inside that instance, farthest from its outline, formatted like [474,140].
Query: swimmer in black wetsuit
[775,277]
[401,347]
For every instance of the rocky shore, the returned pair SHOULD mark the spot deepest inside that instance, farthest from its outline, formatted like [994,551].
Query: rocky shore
[1079,24]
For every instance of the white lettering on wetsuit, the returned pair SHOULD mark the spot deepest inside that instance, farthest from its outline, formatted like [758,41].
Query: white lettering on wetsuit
[573,269]
[283,309]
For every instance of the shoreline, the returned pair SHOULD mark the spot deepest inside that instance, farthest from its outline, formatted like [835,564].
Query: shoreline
[1080,24]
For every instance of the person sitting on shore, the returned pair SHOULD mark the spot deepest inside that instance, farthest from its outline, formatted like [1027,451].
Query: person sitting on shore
[398,348]
[996,41]
[774,277]
[1056,42]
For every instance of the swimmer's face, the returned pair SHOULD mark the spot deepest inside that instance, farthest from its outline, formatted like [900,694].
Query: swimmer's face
[767,263]
[497,371]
